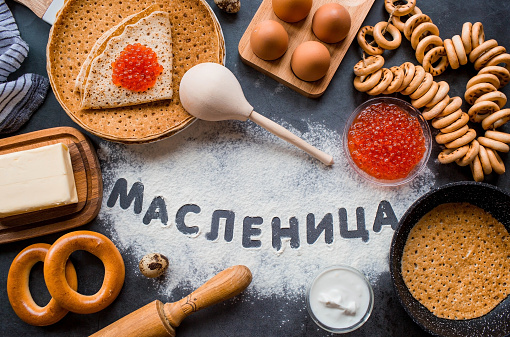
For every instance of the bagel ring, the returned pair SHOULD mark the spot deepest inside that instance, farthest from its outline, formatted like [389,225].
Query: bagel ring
[365,83]
[460,51]
[474,148]
[382,41]
[500,72]
[498,135]
[96,244]
[362,41]
[19,293]
[370,65]
[467,29]
[448,156]
[476,169]
[485,161]
[477,35]
[497,164]
[433,56]
[397,20]
[399,10]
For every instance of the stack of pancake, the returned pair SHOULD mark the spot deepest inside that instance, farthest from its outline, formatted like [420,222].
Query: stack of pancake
[87,33]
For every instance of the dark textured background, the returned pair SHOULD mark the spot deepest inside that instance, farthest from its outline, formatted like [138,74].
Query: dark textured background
[251,316]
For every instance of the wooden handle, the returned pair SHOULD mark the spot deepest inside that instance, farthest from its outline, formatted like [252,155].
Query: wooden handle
[226,284]
[147,321]
[285,134]
[39,7]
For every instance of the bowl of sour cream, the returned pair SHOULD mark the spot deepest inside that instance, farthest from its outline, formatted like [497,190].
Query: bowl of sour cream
[340,299]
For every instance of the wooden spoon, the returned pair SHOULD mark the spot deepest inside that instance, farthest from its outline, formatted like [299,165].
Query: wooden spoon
[160,320]
[211,92]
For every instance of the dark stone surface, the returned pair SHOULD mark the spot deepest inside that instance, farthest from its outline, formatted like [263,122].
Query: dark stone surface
[250,316]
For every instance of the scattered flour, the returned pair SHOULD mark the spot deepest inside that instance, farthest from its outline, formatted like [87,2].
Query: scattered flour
[242,168]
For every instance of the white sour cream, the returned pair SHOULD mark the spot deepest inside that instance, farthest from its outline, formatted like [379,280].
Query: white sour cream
[340,298]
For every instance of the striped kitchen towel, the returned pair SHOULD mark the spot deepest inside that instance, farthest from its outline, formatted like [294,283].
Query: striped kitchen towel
[19,98]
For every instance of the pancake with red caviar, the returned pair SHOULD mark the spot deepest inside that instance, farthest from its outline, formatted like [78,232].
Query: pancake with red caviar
[130,64]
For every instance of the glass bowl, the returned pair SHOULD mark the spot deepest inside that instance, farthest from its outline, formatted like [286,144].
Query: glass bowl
[317,282]
[411,111]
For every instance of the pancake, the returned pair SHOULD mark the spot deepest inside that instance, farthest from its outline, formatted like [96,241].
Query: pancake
[196,38]
[456,261]
[99,91]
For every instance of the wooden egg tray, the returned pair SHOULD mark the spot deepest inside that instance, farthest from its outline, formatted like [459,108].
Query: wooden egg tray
[300,32]
[87,175]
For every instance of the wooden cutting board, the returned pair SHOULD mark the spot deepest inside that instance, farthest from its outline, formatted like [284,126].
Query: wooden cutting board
[87,175]
[300,32]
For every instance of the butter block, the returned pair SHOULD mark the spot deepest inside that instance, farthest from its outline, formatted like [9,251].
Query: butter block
[36,179]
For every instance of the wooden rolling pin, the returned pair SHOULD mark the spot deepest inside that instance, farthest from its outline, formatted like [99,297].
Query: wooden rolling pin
[157,319]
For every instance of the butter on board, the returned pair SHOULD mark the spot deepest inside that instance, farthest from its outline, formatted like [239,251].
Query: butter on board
[36,179]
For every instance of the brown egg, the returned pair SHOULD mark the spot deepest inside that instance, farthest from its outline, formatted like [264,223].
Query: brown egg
[310,61]
[331,23]
[292,10]
[269,40]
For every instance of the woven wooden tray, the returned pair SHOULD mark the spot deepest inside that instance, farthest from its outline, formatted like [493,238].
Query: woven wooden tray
[87,175]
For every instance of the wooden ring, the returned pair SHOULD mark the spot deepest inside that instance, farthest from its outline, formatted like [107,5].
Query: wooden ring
[362,41]
[494,96]
[474,148]
[483,78]
[501,72]
[461,141]
[433,56]
[476,169]
[496,119]
[421,30]
[397,20]
[432,112]
[19,293]
[401,9]
[486,57]
[419,75]
[409,70]
[396,82]
[424,87]
[382,41]
[451,54]
[497,164]
[387,77]
[365,83]
[96,244]
[493,144]
[460,51]
[484,160]
[467,29]
[425,45]
[477,35]
[413,22]
[369,66]
[478,90]
[498,135]
[427,97]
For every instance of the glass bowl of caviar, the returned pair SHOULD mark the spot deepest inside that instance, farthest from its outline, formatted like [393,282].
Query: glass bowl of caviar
[387,141]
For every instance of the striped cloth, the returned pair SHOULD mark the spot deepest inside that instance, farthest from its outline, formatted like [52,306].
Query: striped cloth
[19,98]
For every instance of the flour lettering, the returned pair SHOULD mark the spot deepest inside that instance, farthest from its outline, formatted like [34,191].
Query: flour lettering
[189,219]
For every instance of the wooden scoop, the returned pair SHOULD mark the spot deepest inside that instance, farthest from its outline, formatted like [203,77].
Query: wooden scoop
[210,91]
[159,320]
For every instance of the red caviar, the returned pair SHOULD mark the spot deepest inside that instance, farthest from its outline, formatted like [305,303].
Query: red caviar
[386,142]
[136,68]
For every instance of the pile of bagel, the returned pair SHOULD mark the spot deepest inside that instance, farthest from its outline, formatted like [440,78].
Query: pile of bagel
[61,280]
[461,142]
